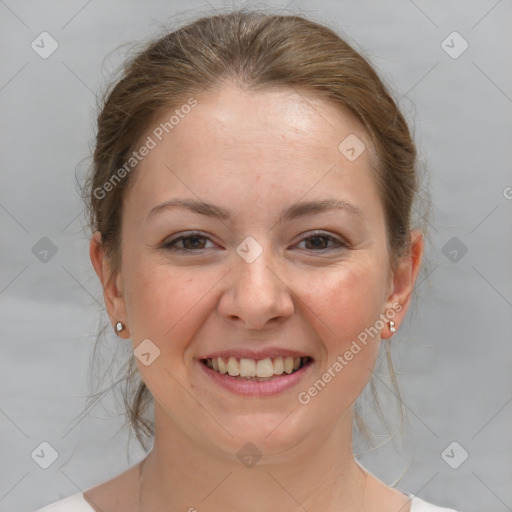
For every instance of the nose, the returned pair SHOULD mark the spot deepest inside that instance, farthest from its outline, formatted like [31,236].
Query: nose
[256,296]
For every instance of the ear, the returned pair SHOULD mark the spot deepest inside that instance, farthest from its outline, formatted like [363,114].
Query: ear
[112,285]
[402,284]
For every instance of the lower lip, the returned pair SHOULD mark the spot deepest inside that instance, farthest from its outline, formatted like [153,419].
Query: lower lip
[256,388]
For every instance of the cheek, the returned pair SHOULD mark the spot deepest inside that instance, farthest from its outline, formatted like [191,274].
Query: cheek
[167,303]
[346,305]
[348,299]
[168,306]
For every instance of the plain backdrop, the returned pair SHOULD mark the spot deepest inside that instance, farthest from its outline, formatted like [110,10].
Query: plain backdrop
[453,353]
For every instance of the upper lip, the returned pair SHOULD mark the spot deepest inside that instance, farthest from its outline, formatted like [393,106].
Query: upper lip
[246,353]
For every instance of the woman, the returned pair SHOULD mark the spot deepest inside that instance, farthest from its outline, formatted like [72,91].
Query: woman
[251,207]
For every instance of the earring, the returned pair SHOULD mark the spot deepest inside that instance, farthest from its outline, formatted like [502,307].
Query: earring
[392,327]
[119,327]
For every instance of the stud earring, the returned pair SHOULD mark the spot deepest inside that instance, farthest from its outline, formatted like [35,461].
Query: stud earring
[392,327]
[119,327]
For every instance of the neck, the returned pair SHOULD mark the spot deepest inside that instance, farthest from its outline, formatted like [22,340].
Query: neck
[180,474]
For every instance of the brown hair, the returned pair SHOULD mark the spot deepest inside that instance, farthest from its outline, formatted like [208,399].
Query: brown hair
[256,50]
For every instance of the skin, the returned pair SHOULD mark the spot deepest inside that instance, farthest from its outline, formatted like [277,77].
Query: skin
[254,153]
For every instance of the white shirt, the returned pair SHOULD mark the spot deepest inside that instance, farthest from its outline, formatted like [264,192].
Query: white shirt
[77,503]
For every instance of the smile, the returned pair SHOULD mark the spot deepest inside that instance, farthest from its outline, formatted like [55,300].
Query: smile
[256,369]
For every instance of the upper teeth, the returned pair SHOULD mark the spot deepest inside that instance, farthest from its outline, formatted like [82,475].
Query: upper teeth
[254,368]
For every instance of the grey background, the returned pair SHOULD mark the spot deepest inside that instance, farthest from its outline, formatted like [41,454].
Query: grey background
[453,354]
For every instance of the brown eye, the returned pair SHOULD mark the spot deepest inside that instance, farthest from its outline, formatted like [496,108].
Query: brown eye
[317,242]
[320,242]
[192,242]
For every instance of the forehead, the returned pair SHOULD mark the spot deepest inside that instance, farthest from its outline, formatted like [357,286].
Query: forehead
[233,139]
[233,119]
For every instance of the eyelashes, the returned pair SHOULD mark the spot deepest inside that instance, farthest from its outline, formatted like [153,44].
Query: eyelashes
[195,242]
[172,244]
[328,238]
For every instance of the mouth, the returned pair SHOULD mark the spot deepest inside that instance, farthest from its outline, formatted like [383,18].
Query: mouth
[256,370]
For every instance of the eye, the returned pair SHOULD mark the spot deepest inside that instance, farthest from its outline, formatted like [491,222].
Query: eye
[196,242]
[192,242]
[320,241]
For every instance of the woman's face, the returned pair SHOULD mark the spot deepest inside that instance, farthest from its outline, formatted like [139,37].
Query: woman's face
[273,269]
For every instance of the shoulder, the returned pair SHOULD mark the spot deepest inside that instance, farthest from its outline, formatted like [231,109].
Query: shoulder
[118,493]
[74,503]
[419,505]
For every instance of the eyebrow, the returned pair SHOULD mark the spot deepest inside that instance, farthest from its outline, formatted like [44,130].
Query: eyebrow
[294,211]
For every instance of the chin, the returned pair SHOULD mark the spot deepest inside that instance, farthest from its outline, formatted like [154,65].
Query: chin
[268,437]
